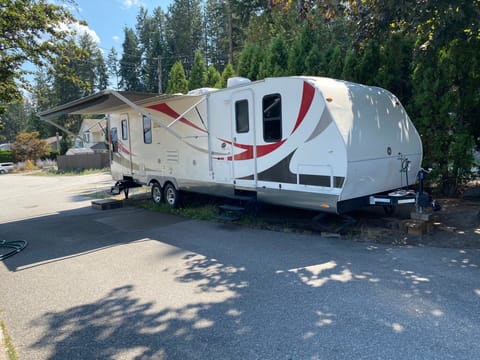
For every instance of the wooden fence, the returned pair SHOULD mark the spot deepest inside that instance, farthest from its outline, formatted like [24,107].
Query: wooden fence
[83,161]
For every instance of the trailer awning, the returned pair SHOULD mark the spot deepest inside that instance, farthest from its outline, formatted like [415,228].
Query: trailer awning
[105,102]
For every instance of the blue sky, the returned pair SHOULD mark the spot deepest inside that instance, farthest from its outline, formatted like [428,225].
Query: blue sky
[107,18]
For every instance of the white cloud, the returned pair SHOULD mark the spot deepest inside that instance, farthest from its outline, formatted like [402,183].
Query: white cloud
[127,4]
[79,29]
[116,38]
[82,29]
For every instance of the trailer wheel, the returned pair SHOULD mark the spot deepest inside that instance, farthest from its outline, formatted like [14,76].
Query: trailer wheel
[172,195]
[157,194]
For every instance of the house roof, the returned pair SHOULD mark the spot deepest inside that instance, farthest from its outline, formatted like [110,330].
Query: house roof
[53,139]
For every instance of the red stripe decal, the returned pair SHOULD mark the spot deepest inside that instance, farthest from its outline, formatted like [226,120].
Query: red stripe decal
[123,149]
[307,98]
[262,150]
[167,110]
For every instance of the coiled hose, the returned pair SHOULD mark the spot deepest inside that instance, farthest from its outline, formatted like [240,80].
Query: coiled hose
[13,246]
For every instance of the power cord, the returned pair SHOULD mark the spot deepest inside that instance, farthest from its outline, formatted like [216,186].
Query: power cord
[15,246]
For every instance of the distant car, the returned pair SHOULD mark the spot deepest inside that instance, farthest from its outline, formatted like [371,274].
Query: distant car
[6,167]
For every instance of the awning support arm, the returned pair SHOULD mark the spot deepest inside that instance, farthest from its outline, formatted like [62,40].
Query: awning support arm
[145,113]
[64,129]
[187,111]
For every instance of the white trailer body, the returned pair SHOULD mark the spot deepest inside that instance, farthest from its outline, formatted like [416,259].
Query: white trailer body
[306,142]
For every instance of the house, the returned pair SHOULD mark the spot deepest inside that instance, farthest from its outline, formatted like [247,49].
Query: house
[92,135]
[54,142]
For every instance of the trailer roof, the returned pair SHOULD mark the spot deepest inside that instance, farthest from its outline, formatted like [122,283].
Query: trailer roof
[104,102]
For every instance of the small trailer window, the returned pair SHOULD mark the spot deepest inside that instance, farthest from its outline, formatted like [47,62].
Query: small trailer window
[124,130]
[241,116]
[272,117]
[114,139]
[147,130]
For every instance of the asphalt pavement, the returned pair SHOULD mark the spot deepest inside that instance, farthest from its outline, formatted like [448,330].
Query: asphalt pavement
[135,284]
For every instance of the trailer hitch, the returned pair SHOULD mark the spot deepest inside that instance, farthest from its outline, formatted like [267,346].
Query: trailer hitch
[123,185]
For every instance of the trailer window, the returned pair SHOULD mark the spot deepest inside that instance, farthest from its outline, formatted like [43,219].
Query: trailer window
[272,117]
[241,116]
[114,139]
[124,130]
[147,130]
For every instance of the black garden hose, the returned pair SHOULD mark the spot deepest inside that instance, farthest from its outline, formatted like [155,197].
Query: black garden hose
[14,246]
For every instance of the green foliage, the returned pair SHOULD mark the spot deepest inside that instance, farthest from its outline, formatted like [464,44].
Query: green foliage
[299,50]
[250,61]
[28,146]
[65,144]
[184,30]
[276,58]
[213,76]
[227,73]
[177,82]
[446,128]
[130,63]
[6,156]
[30,31]
[198,75]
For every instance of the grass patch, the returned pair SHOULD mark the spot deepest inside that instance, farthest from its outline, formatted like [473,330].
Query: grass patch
[204,207]
[11,353]
[70,172]
[198,209]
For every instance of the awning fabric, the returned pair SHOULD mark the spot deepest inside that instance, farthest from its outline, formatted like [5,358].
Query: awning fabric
[105,102]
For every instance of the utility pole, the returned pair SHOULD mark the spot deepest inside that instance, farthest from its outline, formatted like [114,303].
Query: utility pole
[229,27]
[159,70]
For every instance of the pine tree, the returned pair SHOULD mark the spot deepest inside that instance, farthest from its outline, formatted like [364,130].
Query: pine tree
[130,63]
[213,77]
[276,58]
[198,75]
[227,73]
[184,30]
[177,82]
[113,67]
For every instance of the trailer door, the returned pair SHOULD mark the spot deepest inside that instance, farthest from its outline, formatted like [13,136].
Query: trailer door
[243,141]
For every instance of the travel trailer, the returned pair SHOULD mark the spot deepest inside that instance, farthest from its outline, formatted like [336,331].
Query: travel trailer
[305,142]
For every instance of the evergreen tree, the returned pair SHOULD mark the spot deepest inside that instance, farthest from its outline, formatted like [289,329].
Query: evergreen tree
[227,73]
[130,63]
[216,33]
[299,50]
[213,77]
[395,66]
[350,66]
[150,32]
[113,67]
[198,75]
[15,120]
[369,64]
[184,30]
[177,82]
[335,65]
[250,61]
[276,58]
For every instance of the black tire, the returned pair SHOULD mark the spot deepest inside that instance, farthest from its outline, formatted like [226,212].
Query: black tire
[171,195]
[157,193]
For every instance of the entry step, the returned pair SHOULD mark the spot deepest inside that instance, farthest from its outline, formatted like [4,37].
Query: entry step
[228,207]
[223,217]
[106,204]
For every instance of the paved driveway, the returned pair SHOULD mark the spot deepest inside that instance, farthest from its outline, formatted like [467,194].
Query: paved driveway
[133,284]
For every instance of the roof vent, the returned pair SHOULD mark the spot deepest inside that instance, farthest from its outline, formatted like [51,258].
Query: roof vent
[237,81]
